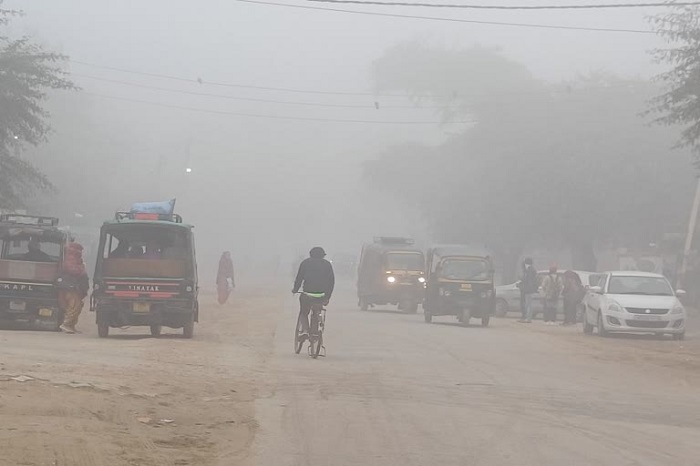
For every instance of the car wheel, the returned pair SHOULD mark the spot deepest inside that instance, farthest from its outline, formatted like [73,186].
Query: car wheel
[679,336]
[501,307]
[601,327]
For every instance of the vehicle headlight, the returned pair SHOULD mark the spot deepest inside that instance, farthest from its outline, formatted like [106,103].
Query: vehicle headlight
[391,279]
[421,279]
[615,307]
[677,309]
[188,289]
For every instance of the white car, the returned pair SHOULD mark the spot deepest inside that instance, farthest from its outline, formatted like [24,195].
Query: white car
[634,302]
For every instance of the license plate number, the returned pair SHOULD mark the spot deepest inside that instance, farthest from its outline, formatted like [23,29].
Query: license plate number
[466,287]
[142,307]
[18,306]
[646,317]
[45,312]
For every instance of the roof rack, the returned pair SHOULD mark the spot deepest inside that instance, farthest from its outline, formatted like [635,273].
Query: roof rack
[393,240]
[33,220]
[121,216]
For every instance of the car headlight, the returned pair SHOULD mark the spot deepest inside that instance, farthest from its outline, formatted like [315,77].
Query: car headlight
[421,279]
[615,307]
[391,279]
[677,309]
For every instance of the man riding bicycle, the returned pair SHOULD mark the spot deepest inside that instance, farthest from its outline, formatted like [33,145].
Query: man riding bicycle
[318,280]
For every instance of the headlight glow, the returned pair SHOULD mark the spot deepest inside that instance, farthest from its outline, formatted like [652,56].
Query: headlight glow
[421,280]
[391,279]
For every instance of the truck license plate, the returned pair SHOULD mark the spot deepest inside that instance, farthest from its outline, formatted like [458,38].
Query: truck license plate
[44,312]
[466,287]
[142,307]
[18,306]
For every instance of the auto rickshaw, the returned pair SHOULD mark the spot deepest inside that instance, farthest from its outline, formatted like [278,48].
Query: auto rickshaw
[146,274]
[460,283]
[391,271]
[31,257]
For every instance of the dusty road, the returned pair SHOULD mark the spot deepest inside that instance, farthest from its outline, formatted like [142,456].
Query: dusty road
[392,391]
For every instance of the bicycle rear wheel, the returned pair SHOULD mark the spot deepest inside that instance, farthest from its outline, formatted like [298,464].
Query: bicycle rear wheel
[315,345]
[298,341]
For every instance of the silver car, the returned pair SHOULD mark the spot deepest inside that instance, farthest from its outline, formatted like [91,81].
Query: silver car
[508,296]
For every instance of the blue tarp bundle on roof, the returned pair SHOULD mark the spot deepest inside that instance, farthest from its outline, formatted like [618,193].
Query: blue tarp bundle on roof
[163,207]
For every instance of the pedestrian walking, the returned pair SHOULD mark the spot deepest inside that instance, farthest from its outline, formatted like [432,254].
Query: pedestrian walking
[573,294]
[528,287]
[73,286]
[552,286]
[224,274]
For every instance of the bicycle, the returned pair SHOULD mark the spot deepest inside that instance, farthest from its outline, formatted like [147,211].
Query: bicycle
[317,314]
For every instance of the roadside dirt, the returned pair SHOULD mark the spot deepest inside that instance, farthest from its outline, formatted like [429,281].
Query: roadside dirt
[135,400]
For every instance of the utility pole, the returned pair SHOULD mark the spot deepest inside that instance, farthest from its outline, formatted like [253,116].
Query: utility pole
[689,237]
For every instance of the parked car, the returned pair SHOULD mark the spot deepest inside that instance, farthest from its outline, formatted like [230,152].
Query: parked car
[508,296]
[634,302]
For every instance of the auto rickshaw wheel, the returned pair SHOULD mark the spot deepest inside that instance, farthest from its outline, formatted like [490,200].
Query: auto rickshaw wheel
[465,317]
[155,330]
[188,329]
[102,330]
[501,307]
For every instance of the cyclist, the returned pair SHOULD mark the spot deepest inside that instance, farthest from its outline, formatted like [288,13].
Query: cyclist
[316,276]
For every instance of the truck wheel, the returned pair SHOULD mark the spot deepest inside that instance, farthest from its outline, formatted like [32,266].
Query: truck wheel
[465,317]
[102,330]
[427,316]
[188,329]
[485,320]
[155,330]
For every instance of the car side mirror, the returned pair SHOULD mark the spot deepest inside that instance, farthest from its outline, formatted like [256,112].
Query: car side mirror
[596,289]
[680,293]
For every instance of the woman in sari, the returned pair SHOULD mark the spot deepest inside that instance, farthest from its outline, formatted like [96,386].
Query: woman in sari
[223,276]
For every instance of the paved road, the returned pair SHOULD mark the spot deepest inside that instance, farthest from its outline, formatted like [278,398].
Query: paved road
[396,391]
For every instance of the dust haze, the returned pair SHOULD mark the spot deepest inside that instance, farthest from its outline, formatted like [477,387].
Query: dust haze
[527,134]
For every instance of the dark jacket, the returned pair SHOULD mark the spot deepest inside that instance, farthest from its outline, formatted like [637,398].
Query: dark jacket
[529,283]
[316,276]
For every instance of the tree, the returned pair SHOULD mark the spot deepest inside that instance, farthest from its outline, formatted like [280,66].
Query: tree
[563,165]
[27,72]
[680,103]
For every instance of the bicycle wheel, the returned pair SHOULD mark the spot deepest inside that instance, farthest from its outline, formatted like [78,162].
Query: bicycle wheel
[316,345]
[298,342]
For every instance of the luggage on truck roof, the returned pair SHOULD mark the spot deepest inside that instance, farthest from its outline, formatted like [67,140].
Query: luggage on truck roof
[394,240]
[31,220]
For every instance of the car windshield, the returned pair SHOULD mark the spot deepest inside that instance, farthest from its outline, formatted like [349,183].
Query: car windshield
[465,269]
[654,286]
[404,261]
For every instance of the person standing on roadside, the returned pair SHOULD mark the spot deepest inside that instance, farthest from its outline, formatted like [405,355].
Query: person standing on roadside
[552,286]
[223,275]
[573,294]
[528,288]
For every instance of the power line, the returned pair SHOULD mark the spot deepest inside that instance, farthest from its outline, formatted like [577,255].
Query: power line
[589,6]
[232,85]
[373,105]
[269,117]
[451,20]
